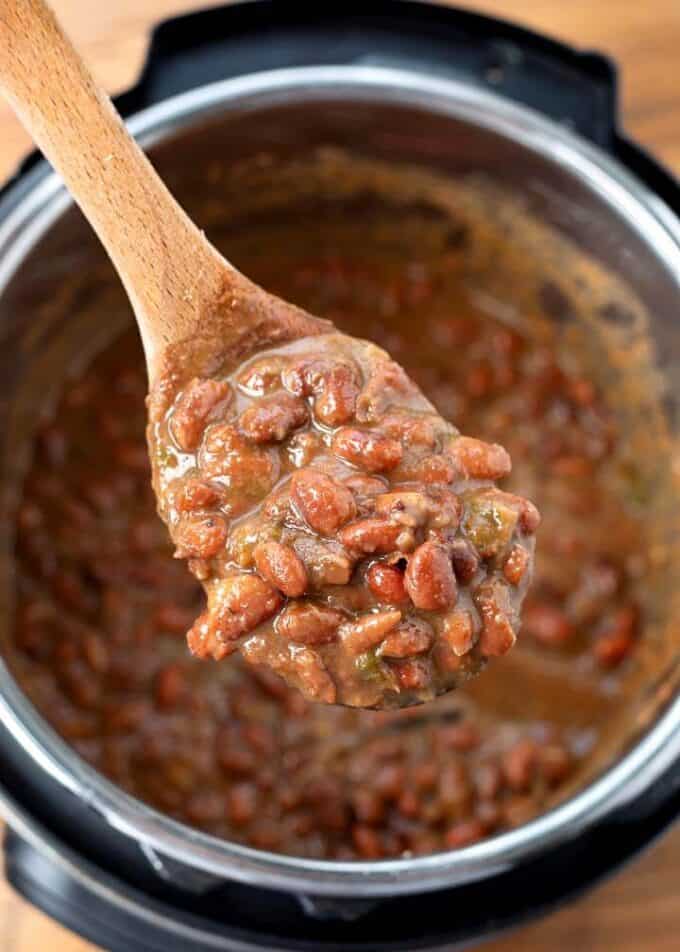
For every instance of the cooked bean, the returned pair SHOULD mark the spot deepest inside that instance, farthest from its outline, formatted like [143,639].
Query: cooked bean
[464,833]
[519,764]
[368,805]
[308,623]
[324,503]
[171,617]
[406,508]
[429,470]
[547,623]
[368,630]
[246,470]
[414,674]
[462,736]
[262,375]
[242,803]
[366,449]
[303,447]
[273,418]
[202,402]
[371,536]
[516,564]
[412,430]
[429,578]
[498,634]
[312,678]
[239,604]
[170,686]
[612,648]
[334,385]
[411,637]
[365,485]
[200,537]
[464,559]
[475,459]
[458,631]
[488,780]
[387,583]
[281,566]
[367,842]
[96,653]
[205,808]
[556,763]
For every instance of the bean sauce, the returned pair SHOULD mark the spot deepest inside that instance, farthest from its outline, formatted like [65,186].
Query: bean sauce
[99,642]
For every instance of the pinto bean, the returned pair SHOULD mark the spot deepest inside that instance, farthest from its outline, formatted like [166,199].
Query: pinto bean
[170,686]
[464,833]
[411,637]
[308,623]
[430,470]
[367,450]
[371,536]
[194,494]
[334,384]
[405,507]
[323,502]
[498,634]
[547,623]
[248,471]
[516,564]
[613,646]
[555,762]
[464,560]
[273,418]
[387,583]
[412,430]
[519,764]
[281,566]
[303,447]
[242,803]
[475,459]
[413,674]
[262,375]
[313,680]
[200,537]
[367,842]
[429,578]
[458,631]
[236,605]
[365,485]
[368,630]
[202,402]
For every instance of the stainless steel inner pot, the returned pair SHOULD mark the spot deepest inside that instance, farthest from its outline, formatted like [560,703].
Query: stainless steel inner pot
[390,114]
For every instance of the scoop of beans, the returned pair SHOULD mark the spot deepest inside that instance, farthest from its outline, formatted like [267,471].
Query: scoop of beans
[347,536]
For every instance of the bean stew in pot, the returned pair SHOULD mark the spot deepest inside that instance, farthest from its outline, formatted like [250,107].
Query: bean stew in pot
[103,608]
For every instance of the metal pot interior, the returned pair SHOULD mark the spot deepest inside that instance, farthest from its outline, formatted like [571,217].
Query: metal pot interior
[568,236]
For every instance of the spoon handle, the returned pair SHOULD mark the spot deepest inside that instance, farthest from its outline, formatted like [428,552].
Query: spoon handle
[166,264]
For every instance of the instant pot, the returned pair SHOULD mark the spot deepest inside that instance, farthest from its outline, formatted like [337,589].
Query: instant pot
[431,85]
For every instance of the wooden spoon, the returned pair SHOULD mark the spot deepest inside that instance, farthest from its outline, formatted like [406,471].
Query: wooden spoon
[175,279]
[312,595]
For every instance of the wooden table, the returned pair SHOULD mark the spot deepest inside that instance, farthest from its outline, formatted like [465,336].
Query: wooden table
[638,911]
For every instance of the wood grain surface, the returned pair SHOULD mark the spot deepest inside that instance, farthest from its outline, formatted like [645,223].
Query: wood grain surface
[638,910]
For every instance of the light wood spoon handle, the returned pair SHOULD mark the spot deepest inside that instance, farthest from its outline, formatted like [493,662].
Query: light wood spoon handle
[162,257]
